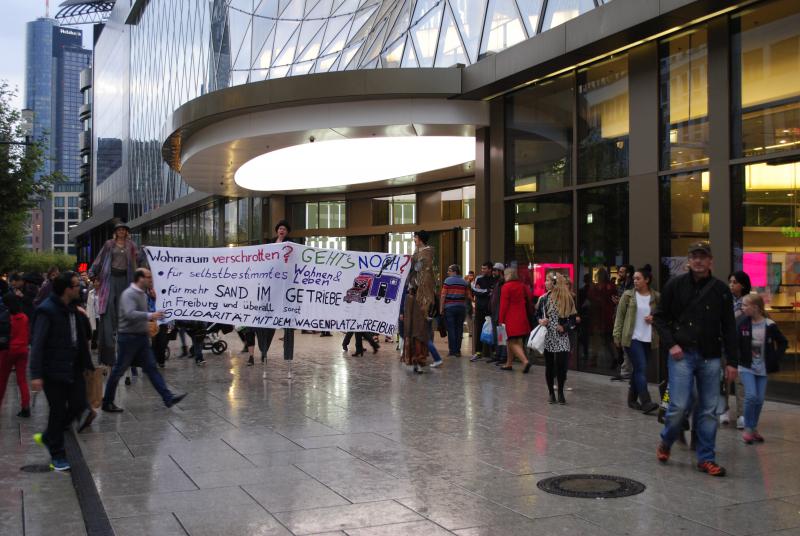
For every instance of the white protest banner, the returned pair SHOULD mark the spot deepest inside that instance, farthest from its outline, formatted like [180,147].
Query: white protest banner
[284,285]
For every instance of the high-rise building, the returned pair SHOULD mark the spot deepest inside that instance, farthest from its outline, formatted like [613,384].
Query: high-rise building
[54,60]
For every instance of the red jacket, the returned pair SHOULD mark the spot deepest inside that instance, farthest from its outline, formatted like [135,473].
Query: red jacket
[513,311]
[20,335]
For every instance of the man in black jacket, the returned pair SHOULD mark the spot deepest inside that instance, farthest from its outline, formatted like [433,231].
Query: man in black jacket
[59,355]
[482,291]
[695,320]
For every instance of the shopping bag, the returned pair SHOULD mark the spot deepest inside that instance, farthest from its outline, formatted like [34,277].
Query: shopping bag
[94,386]
[502,336]
[536,339]
[487,333]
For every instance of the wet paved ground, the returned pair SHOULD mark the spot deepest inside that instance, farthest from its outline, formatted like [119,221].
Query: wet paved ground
[358,446]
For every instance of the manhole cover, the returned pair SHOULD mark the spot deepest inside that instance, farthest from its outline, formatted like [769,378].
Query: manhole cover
[36,468]
[591,486]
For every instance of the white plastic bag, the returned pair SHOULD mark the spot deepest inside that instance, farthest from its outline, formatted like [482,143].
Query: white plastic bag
[536,339]
[487,333]
[502,335]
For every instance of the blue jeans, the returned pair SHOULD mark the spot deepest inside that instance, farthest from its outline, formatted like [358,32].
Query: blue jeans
[132,346]
[454,320]
[432,347]
[682,376]
[637,353]
[755,389]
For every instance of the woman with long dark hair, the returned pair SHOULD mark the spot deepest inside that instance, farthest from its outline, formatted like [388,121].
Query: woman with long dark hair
[739,283]
[633,331]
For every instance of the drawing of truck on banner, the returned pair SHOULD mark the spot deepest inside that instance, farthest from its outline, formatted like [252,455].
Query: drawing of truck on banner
[370,285]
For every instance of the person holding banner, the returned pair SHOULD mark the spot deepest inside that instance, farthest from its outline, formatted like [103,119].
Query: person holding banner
[265,335]
[113,267]
[419,300]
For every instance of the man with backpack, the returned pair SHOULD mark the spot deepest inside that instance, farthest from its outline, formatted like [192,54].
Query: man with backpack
[695,321]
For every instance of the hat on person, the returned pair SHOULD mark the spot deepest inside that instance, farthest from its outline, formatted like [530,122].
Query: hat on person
[499,266]
[121,225]
[701,246]
[283,223]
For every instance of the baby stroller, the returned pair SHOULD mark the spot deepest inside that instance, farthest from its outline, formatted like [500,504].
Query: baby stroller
[212,336]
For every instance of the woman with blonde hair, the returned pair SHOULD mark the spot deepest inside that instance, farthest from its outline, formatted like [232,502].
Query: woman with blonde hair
[514,298]
[558,316]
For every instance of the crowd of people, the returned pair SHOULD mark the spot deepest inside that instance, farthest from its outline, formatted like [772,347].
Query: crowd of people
[63,327]
[716,336]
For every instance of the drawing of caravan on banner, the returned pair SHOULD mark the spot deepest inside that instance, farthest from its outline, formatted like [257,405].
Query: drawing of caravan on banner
[373,285]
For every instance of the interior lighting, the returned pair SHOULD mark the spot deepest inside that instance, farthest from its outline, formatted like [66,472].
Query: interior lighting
[327,164]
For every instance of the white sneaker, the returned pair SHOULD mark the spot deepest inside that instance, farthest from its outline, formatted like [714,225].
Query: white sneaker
[436,364]
[725,418]
[740,423]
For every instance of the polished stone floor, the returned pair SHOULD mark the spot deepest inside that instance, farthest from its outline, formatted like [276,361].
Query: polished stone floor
[358,446]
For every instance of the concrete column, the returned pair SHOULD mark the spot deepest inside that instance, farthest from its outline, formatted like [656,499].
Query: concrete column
[497,187]
[719,196]
[643,189]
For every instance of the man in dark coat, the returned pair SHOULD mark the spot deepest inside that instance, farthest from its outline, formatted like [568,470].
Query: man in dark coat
[59,355]
[695,322]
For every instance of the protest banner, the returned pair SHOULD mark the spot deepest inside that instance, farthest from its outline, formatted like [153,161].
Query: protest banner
[283,285]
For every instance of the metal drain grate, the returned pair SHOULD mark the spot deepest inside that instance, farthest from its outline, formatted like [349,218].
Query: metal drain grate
[591,486]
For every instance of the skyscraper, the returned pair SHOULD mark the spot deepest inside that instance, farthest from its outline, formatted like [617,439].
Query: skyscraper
[54,60]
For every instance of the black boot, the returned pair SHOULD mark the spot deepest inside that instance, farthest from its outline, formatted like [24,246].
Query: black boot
[552,399]
[646,404]
[632,402]
[251,361]
[184,351]
[561,399]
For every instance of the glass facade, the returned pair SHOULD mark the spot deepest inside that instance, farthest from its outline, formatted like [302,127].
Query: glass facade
[179,51]
[539,136]
[684,100]
[582,231]
[319,215]
[767,240]
[459,203]
[684,218]
[603,120]
[395,210]
[765,62]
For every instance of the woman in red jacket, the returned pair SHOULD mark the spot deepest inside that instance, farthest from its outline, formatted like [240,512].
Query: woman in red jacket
[16,356]
[514,297]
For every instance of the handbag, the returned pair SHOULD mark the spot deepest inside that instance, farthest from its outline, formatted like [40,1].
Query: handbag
[441,326]
[94,386]
[502,336]
[536,339]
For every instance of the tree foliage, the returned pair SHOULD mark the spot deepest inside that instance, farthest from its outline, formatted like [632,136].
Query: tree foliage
[41,261]
[20,191]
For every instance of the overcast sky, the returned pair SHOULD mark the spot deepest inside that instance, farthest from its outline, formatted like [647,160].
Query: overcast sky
[12,38]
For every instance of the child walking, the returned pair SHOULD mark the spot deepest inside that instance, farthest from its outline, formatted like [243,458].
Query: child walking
[761,347]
